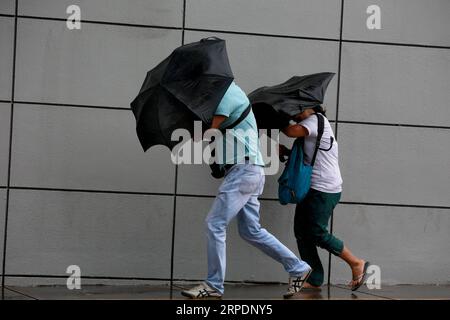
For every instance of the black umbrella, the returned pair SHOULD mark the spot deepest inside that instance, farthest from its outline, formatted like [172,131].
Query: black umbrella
[273,106]
[188,85]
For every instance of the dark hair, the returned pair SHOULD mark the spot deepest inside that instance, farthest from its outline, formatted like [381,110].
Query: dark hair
[320,109]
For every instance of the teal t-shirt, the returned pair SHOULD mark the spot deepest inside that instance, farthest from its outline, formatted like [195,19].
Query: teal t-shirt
[241,141]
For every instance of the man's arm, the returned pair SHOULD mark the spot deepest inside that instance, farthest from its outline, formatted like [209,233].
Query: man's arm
[217,121]
[295,131]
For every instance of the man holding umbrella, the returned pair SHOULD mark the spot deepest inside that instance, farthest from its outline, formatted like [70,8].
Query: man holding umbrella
[238,197]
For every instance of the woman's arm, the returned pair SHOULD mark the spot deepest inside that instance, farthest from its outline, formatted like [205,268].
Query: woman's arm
[295,131]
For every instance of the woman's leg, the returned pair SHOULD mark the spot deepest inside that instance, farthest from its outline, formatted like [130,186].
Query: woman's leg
[311,230]
[307,247]
[355,263]
[321,206]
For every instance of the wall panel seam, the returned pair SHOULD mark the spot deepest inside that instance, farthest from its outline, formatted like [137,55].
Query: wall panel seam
[121,24]
[87,106]
[188,195]
[341,18]
[11,122]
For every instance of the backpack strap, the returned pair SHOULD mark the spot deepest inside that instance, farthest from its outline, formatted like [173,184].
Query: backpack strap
[320,129]
[243,115]
[216,171]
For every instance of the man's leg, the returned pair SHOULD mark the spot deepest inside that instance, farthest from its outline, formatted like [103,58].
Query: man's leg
[251,231]
[227,204]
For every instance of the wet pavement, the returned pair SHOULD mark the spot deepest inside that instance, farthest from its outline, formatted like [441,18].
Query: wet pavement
[233,291]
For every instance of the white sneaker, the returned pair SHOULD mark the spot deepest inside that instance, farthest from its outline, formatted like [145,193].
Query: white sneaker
[202,291]
[296,284]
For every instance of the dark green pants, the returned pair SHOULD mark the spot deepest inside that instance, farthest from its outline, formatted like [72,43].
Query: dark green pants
[311,230]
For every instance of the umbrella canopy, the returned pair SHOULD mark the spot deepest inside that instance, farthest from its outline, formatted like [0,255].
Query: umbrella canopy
[274,105]
[186,86]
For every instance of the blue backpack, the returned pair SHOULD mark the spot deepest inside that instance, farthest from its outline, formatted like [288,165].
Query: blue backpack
[295,181]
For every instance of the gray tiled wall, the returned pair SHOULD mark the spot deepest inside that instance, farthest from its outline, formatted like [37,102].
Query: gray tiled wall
[402,241]
[105,234]
[287,17]
[7,7]
[395,165]
[85,148]
[412,84]
[402,21]
[83,192]
[100,65]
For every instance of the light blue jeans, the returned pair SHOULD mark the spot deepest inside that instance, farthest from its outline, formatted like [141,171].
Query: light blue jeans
[238,197]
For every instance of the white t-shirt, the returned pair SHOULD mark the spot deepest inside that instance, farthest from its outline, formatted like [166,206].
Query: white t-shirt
[326,176]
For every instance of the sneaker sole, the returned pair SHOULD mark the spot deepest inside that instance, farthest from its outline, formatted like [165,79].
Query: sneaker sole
[187,295]
[290,295]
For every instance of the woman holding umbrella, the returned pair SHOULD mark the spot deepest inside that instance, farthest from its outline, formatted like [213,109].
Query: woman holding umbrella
[312,215]
[289,107]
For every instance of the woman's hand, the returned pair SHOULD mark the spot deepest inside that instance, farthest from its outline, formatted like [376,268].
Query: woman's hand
[283,152]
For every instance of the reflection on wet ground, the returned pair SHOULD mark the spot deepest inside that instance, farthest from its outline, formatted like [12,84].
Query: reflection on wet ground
[232,291]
